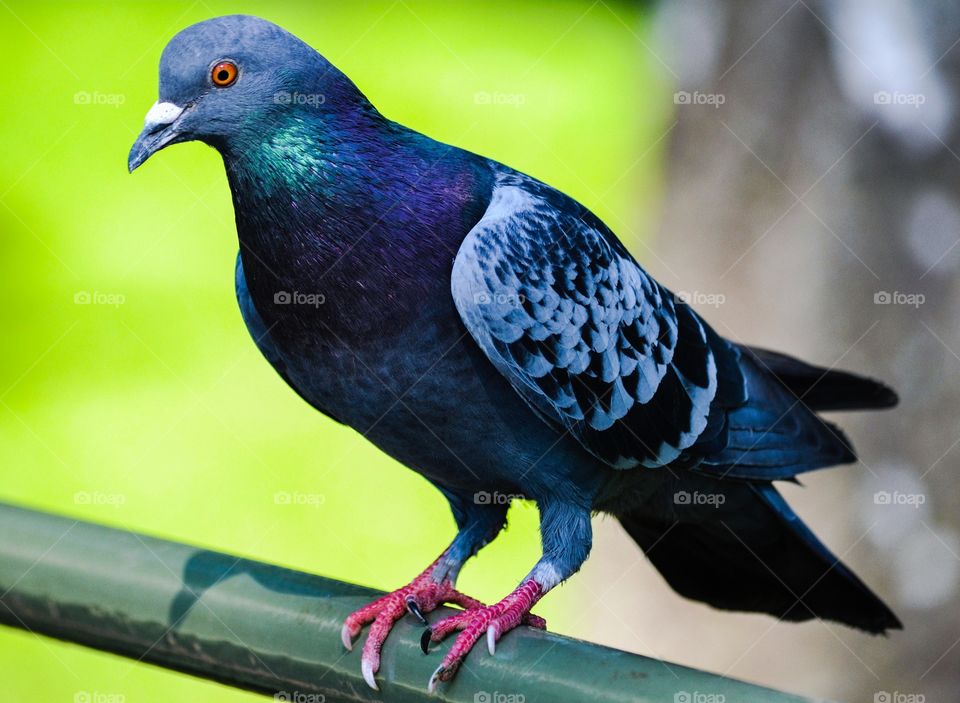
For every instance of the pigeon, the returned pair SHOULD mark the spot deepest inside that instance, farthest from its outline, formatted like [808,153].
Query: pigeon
[492,334]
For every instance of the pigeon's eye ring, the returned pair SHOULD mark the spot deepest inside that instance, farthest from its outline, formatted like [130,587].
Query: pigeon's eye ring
[224,74]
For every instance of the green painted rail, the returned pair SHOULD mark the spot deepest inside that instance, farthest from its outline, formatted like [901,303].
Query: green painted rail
[276,631]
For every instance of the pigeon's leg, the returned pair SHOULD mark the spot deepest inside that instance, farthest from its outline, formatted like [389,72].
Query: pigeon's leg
[478,525]
[567,537]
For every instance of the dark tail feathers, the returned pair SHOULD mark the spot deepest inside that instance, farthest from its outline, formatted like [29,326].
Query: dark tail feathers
[755,554]
[824,389]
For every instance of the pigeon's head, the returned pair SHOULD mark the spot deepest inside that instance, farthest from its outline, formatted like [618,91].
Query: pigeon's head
[226,80]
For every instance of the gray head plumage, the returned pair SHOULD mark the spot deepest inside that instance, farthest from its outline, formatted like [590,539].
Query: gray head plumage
[273,68]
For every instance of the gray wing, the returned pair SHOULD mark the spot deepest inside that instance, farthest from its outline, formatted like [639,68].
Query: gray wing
[589,340]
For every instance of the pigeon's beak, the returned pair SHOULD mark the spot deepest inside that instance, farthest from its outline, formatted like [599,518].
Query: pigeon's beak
[159,129]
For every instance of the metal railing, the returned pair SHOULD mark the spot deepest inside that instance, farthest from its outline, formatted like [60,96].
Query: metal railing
[276,631]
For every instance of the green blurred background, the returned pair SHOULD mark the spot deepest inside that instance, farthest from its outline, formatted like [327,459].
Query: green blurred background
[130,392]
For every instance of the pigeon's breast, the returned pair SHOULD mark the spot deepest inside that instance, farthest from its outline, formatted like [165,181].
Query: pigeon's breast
[427,396]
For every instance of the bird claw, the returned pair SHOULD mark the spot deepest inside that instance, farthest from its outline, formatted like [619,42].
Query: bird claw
[414,609]
[366,668]
[346,636]
[494,620]
[441,673]
[422,595]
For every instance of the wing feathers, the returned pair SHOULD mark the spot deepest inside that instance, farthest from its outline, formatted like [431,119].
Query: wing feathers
[600,350]
[580,330]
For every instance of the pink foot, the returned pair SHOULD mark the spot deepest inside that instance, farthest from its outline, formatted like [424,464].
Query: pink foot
[421,595]
[495,620]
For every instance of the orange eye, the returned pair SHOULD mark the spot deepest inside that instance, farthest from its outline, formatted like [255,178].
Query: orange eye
[224,73]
